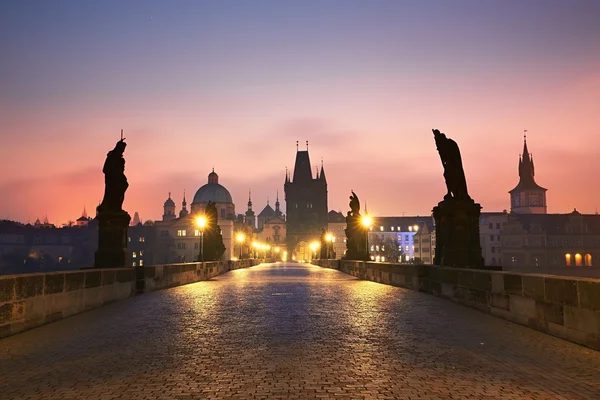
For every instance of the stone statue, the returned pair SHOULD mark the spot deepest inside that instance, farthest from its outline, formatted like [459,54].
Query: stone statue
[112,219]
[354,204]
[114,180]
[213,238]
[457,216]
[356,234]
[453,169]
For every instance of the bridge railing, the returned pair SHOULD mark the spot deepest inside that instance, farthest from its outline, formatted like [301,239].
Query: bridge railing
[31,300]
[562,306]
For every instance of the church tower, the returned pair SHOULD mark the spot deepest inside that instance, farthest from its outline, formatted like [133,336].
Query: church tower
[169,209]
[184,210]
[527,197]
[250,216]
[306,205]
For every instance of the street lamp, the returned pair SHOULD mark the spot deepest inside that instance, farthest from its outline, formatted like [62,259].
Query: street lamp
[255,246]
[314,246]
[366,222]
[416,229]
[240,238]
[201,222]
[328,239]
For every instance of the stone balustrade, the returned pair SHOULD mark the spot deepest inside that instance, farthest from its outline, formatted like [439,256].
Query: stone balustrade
[566,307]
[30,300]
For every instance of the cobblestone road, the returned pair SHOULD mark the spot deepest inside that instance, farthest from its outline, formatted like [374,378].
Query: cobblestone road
[293,331]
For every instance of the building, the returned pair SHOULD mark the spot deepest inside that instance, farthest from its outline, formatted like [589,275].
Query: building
[413,237]
[552,243]
[306,206]
[336,226]
[140,244]
[490,232]
[527,197]
[180,239]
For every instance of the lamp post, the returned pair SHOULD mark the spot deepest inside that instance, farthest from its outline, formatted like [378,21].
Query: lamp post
[314,246]
[201,222]
[366,222]
[255,246]
[240,238]
[328,238]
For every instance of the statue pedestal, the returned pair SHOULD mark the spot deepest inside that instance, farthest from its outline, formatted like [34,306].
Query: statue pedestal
[457,233]
[112,240]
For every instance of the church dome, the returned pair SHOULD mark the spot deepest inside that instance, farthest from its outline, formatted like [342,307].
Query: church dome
[212,191]
[169,202]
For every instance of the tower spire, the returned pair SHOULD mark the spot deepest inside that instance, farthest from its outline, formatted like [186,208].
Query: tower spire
[277,211]
[249,200]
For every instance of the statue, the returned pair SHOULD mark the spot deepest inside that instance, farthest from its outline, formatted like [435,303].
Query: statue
[112,219]
[356,234]
[114,180]
[457,216]
[213,239]
[453,169]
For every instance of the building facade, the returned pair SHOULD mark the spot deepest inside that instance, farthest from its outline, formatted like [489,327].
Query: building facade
[306,206]
[490,232]
[414,238]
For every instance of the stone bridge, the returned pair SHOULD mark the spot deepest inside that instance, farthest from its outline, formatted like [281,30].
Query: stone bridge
[289,331]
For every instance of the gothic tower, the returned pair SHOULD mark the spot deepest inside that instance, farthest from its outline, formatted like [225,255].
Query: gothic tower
[250,216]
[527,197]
[169,207]
[306,205]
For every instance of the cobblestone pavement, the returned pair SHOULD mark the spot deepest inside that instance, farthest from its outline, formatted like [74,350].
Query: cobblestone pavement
[296,332]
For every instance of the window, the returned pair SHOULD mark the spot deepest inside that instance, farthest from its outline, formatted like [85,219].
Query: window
[129,238]
[196,245]
[181,232]
[141,253]
[491,238]
[134,255]
[588,260]
[568,260]
[142,239]
[497,225]
[537,261]
[134,264]
[491,225]
[381,228]
[578,260]
[493,249]
[398,229]
[222,213]
[141,263]
[392,228]
[196,232]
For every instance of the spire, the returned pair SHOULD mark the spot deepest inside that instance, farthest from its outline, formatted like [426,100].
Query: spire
[302,169]
[249,200]
[525,151]
[267,200]
[316,172]
[84,214]
[322,174]
[277,211]
[287,175]
[184,210]
[184,203]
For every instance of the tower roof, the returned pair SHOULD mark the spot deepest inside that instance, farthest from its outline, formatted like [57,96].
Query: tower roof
[267,212]
[526,171]
[169,202]
[302,171]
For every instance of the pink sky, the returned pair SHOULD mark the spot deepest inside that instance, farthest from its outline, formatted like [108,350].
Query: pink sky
[238,100]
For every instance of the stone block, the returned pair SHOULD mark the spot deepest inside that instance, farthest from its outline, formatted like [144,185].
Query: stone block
[29,286]
[513,284]
[125,275]
[447,289]
[499,301]
[537,324]
[74,281]
[497,283]
[466,278]
[7,289]
[521,305]
[6,312]
[506,314]
[18,310]
[589,294]
[93,279]
[449,276]
[5,330]
[149,272]
[582,319]
[571,334]
[549,312]
[533,287]
[54,283]
[109,277]
[561,291]
[483,281]
[53,317]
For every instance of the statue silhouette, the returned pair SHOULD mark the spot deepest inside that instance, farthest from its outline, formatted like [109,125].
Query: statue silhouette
[452,163]
[114,180]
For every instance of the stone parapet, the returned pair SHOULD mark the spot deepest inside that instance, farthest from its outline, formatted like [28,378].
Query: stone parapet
[31,300]
[566,307]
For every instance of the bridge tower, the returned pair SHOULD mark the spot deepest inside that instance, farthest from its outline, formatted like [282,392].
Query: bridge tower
[306,205]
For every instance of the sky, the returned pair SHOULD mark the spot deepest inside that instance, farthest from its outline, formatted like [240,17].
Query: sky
[234,84]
